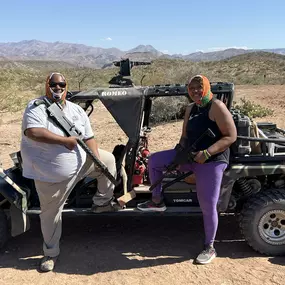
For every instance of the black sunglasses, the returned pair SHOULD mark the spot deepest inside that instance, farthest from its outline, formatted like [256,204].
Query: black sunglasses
[60,84]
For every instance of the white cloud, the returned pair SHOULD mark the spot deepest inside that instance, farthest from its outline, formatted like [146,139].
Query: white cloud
[165,51]
[224,48]
[107,39]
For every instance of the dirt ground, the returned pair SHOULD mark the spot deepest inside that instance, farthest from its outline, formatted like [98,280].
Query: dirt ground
[143,249]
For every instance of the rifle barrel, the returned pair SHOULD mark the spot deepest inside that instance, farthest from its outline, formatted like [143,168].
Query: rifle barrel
[97,162]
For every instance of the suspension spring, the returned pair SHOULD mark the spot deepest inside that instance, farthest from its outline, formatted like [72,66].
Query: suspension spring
[244,187]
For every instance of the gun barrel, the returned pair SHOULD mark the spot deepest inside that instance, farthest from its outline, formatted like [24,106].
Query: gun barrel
[97,162]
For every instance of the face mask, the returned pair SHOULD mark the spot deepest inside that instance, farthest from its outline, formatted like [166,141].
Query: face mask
[207,94]
[56,96]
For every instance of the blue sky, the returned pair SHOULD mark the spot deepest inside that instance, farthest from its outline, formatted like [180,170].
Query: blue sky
[180,26]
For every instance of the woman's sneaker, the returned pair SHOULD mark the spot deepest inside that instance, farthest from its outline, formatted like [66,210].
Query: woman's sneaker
[150,206]
[206,256]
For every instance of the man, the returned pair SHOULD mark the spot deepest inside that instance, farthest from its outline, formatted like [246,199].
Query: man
[57,163]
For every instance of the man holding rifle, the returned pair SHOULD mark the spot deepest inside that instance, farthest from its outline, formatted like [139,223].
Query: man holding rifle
[208,163]
[56,163]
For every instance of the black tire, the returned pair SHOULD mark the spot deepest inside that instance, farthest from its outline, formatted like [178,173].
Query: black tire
[262,222]
[4,229]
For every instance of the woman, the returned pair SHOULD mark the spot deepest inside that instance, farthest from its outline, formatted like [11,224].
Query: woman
[211,159]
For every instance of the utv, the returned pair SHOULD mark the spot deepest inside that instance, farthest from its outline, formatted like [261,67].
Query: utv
[253,185]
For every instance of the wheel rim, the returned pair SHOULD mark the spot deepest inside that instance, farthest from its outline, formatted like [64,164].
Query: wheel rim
[271,227]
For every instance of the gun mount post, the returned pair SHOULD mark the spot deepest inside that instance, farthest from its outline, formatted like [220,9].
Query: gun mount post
[125,70]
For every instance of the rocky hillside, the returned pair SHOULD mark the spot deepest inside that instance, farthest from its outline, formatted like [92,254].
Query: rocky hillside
[79,55]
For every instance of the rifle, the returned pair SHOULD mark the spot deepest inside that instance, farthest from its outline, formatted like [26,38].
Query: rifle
[183,155]
[54,111]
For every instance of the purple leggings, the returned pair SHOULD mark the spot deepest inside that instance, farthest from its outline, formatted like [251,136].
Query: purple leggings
[208,183]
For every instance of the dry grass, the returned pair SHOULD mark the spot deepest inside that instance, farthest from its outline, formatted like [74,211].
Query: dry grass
[19,81]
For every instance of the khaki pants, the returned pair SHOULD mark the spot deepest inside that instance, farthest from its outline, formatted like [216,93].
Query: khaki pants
[52,198]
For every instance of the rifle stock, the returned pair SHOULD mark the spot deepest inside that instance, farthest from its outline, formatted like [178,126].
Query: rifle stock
[54,111]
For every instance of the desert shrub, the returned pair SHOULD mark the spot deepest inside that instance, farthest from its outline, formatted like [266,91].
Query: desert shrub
[252,110]
[14,100]
[166,109]
[12,103]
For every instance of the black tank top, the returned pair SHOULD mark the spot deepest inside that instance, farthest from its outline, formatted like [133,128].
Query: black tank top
[198,123]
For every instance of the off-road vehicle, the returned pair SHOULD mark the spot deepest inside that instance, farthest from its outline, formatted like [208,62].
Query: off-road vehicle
[253,186]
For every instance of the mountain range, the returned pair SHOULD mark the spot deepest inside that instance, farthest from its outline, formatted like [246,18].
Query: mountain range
[97,57]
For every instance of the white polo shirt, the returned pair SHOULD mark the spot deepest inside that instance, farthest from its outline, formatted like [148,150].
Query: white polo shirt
[52,162]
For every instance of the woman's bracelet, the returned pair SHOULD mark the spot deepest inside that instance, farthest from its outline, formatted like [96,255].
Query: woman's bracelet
[206,153]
